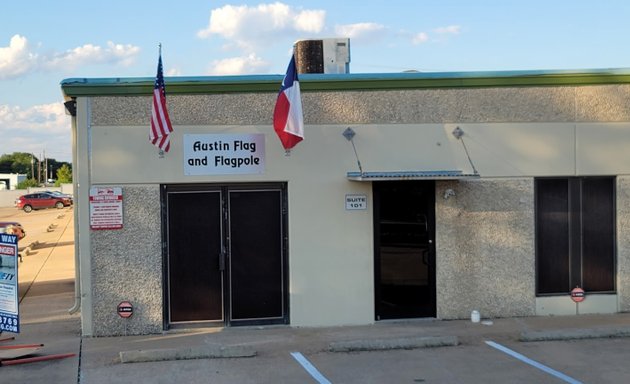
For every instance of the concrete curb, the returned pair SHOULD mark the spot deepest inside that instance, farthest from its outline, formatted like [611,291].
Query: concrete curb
[574,334]
[203,352]
[388,344]
[27,250]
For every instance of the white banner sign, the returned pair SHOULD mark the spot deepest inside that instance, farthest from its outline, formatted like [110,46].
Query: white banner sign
[218,154]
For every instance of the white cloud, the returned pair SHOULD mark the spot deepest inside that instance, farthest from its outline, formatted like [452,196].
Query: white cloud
[173,72]
[36,129]
[250,27]
[249,64]
[16,59]
[438,34]
[36,118]
[449,30]
[361,31]
[420,38]
[117,54]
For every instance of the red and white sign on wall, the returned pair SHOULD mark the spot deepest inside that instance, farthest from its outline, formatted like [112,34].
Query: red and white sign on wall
[577,294]
[106,210]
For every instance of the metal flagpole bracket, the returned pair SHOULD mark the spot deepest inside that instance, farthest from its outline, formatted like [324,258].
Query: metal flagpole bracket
[459,135]
[349,134]
[458,132]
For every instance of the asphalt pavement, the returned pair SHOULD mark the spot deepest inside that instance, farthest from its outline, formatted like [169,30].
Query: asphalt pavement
[273,354]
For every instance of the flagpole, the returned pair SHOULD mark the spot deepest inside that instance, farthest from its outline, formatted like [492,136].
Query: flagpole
[160,151]
[161,125]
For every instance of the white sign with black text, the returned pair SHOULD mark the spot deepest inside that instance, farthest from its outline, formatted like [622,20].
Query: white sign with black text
[356,202]
[106,208]
[223,154]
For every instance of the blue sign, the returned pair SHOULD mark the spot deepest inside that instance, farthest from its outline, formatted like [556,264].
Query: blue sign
[9,314]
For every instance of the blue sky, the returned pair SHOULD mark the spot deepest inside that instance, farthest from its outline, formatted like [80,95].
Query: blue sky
[43,42]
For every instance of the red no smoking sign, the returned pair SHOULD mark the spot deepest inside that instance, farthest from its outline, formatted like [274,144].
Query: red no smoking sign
[577,294]
[125,309]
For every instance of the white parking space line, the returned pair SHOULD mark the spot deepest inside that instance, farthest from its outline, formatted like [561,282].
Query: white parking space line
[310,368]
[533,363]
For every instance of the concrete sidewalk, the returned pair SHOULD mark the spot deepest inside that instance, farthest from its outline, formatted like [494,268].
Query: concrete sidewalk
[47,291]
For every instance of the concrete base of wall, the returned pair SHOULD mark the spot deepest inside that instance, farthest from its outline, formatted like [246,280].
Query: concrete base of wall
[563,305]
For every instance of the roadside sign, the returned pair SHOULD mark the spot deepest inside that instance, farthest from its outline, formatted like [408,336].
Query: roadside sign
[125,309]
[9,313]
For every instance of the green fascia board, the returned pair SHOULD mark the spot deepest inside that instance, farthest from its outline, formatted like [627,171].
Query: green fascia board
[83,87]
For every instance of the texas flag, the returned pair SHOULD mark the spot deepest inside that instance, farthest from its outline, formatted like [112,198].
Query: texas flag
[287,115]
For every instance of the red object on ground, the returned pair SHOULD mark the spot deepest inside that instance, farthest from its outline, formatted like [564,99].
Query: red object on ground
[18,346]
[36,359]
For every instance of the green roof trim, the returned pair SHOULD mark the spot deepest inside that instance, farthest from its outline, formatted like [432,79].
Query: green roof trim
[78,87]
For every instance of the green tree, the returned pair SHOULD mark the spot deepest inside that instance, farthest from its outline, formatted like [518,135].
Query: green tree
[27,164]
[64,175]
[17,162]
[27,184]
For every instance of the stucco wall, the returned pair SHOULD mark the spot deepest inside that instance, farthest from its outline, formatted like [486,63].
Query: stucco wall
[485,248]
[623,242]
[597,103]
[127,265]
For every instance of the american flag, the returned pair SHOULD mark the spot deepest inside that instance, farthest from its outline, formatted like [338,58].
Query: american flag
[160,122]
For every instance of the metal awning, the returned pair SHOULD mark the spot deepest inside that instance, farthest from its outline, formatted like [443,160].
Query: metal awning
[411,175]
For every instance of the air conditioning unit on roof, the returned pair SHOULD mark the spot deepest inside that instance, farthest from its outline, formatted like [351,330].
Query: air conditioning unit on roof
[323,56]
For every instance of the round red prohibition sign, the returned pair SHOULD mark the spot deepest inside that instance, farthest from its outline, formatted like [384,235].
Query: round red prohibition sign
[125,309]
[577,294]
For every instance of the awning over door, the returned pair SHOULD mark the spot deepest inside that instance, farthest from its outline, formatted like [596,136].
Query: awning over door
[411,175]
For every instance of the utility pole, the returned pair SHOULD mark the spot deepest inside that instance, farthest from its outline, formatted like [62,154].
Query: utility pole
[39,169]
[32,166]
[45,169]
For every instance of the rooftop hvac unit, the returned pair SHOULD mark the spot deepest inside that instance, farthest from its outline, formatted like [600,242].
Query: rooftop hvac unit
[323,56]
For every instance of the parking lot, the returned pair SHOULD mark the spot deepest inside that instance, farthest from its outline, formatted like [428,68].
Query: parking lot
[485,353]
[585,361]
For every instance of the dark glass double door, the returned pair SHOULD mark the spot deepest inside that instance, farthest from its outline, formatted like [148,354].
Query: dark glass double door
[226,259]
[404,227]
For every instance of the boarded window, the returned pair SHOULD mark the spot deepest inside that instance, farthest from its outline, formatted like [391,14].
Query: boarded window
[575,234]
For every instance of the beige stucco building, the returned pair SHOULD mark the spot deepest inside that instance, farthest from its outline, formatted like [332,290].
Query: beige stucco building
[532,200]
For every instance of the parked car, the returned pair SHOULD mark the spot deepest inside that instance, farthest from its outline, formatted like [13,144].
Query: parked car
[12,228]
[59,194]
[41,200]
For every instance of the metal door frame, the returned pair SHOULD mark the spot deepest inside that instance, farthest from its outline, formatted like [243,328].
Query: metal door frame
[429,185]
[226,297]
[281,188]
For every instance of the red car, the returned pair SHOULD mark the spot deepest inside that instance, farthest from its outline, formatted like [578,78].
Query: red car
[41,200]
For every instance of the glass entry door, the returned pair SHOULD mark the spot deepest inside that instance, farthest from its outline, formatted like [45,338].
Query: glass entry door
[226,254]
[404,223]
